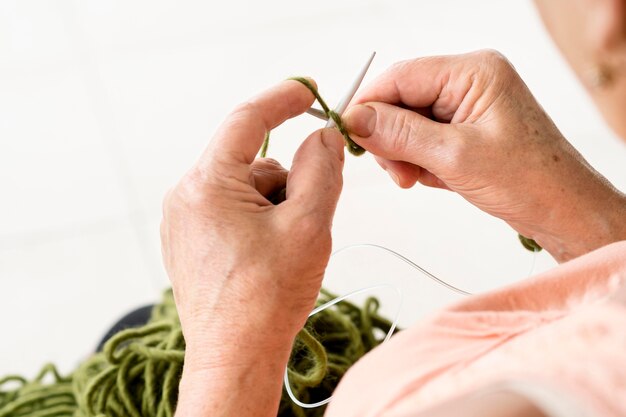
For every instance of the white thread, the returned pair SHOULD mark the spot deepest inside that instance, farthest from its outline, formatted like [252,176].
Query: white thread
[328,305]
[362,290]
[406,261]
[534,262]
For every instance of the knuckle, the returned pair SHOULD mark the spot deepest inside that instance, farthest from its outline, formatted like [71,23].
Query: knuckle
[247,113]
[400,65]
[457,153]
[491,54]
[401,69]
[401,130]
[311,228]
[244,108]
[272,161]
[497,61]
[266,164]
[456,150]
[247,110]
[189,192]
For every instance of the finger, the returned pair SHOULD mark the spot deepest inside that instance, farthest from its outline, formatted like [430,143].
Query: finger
[406,174]
[315,180]
[267,176]
[439,83]
[418,83]
[429,179]
[239,138]
[397,134]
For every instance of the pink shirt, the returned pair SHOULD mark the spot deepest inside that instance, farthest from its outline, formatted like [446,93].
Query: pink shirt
[559,332]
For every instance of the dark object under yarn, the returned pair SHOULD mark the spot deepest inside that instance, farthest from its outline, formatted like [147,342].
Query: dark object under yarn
[138,371]
[135,318]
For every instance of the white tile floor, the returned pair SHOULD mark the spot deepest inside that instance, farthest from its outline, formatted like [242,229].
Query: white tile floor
[103,105]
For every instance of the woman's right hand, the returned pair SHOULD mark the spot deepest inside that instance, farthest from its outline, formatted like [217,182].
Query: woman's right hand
[469,124]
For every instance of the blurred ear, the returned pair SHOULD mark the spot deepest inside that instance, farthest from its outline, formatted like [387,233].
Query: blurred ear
[607,24]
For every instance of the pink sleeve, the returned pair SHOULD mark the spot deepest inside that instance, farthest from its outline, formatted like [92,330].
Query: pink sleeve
[468,345]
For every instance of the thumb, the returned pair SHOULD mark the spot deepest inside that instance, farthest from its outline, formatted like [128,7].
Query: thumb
[397,134]
[315,180]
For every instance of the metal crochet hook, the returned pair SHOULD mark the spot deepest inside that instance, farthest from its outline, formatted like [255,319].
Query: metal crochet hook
[343,103]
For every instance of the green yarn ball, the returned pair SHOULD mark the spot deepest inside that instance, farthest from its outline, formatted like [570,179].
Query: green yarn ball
[138,372]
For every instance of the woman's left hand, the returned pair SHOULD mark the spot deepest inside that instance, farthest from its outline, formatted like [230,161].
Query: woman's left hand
[245,272]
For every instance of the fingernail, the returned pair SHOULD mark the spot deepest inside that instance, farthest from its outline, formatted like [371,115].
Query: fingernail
[332,139]
[360,120]
[394,176]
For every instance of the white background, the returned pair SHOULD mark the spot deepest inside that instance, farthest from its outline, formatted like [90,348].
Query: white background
[105,104]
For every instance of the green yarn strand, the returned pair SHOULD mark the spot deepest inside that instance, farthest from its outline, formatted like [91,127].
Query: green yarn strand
[138,372]
[351,145]
[36,398]
[266,144]
[529,244]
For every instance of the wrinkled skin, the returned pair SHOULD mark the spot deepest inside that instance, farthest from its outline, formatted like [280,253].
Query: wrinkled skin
[469,124]
[246,272]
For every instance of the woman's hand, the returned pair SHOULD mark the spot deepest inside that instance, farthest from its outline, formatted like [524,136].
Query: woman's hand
[469,124]
[245,272]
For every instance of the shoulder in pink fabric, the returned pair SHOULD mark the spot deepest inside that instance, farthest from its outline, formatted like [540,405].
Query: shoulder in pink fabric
[441,348]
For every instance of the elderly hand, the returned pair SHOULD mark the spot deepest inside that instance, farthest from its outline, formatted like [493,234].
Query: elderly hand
[245,272]
[469,124]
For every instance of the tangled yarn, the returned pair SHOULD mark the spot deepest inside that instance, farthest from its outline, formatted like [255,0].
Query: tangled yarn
[352,146]
[138,372]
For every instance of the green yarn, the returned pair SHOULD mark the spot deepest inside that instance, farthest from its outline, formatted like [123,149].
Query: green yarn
[529,243]
[352,146]
[37,398]
[330,343]
[138,372]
